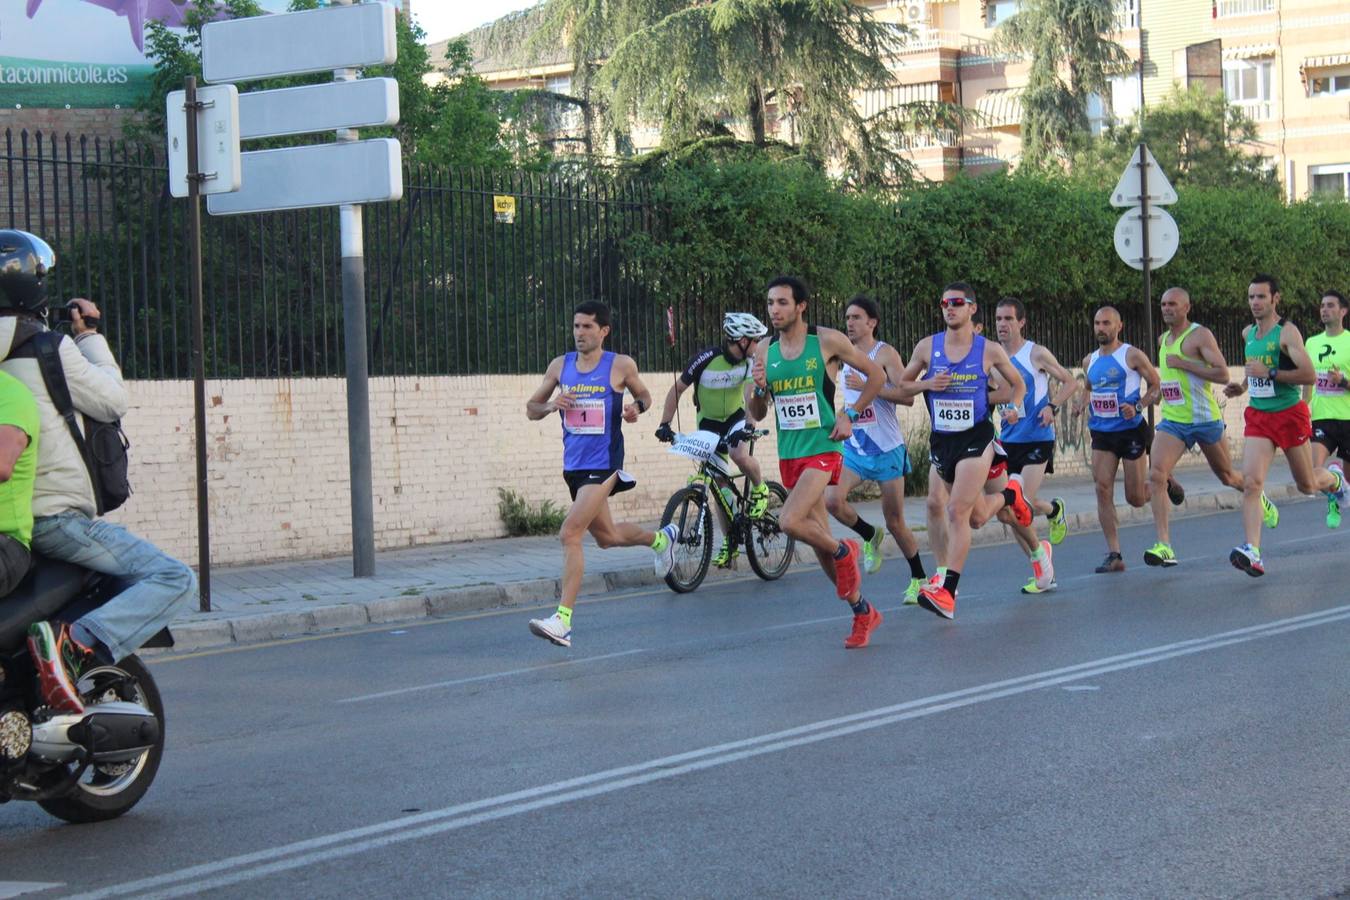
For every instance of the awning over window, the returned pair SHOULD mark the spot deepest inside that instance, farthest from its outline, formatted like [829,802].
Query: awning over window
[1000,108]
[1326,62]
[1251,51]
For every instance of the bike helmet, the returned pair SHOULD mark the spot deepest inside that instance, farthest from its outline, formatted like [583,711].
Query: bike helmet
[25,260]
[737,325]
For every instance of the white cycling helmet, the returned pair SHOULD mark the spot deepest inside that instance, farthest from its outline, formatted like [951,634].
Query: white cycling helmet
[737,325]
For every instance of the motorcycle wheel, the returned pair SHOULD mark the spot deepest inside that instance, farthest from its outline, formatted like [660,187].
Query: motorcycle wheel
[107,790]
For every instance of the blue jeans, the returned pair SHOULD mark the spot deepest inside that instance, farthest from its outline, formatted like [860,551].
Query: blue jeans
[162,587]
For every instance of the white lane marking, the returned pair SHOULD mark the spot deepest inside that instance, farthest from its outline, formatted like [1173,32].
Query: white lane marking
[1082,687]
[10,889]
[262,863]
[490,676]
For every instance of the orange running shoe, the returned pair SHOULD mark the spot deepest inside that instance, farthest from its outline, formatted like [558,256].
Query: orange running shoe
[862,629]
[936,599]
[847,575]
[1020,508]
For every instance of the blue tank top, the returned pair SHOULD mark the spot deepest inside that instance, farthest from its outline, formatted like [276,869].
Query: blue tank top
[1028,428]
[1113,384]
[590,429]
[965,402]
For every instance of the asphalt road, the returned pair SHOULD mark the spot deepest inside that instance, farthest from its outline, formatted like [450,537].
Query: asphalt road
[1180,732]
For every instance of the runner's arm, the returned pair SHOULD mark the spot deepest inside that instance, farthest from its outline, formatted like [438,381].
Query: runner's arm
[758,404]
[1084,390]
[1068,385]
[1010,389]
[1138,360]
[837,346]
[642,398]
[1239,387]
[539,405]
[911,384]
[1212,366]
[892,365]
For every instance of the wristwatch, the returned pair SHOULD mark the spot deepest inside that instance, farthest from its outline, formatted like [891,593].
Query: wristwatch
[1054,408]
[760,392]
[1272,372]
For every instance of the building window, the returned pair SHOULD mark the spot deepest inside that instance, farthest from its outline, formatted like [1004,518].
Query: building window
[1330,181]
[1225,8]
[1127,14]
[998,11]
[1124,97]
[1329,83]
[1247,83]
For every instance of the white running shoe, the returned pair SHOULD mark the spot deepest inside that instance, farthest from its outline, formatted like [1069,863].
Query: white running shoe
[664,548]
[1045,569]
[552,629]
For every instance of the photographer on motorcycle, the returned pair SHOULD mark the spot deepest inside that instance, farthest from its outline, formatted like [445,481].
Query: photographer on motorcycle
[65,508]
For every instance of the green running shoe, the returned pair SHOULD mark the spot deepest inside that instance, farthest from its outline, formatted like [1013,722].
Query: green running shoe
[1059,525]
[1030,587]
[872,552]
[759,500]
[912,592]
[1270,513]
[1333,513]
[1160,554]
[726,557]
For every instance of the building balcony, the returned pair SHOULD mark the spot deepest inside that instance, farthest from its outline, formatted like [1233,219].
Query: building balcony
[1224,9]
[1258,110]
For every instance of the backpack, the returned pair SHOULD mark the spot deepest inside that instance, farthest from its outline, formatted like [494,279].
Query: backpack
[103,445]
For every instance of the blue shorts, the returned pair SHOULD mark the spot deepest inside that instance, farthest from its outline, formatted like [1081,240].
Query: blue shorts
[887,466]
[1190,435]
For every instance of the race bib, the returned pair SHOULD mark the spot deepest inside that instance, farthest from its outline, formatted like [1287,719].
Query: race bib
[1326,387]
[1105,405]
[585,417]
[867,419]
[953,415]
[797,411]
[1171,393]
[1261,387]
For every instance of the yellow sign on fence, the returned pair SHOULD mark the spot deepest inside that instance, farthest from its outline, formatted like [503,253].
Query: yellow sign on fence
[505,208]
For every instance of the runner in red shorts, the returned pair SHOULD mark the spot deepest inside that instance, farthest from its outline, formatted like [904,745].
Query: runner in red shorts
[797,367]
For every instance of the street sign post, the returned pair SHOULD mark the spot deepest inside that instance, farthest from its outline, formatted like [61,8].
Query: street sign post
[317,40]
[1162,238]
[216,137]
[365,103]
[301,177]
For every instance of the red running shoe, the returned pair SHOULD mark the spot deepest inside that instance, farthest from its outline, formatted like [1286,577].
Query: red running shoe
[936,599]
[862,629]
[1021,509]
[847,575]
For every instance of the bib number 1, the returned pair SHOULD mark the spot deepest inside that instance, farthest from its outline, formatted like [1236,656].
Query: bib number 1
[585,417]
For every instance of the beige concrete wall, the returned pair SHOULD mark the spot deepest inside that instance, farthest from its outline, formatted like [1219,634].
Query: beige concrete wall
[442,446]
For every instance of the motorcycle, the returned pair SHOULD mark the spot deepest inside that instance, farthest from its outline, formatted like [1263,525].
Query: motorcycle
[81,768]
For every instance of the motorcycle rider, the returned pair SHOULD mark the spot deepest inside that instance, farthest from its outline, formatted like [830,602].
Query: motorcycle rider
[65,509]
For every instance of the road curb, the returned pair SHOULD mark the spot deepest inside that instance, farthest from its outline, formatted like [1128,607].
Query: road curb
[212,630]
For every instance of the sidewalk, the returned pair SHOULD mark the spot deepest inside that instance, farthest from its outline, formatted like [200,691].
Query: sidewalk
[276,600]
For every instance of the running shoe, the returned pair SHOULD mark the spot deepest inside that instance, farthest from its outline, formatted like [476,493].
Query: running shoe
[664,549]
[759,500]
[1248,559]
[872,552]
[862,629]
[1333,513]
[912,592]
[847,576]
[726,556]
[1059,524]
[936,599]
[1270,513]
[1114,562]
[1044,569]
[552,629]
[1160,554]
[1175,492]
[1340,493]
[52,658]
[1020,508]
[1031,588]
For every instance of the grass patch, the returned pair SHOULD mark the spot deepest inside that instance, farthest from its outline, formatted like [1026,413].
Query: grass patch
[523,518]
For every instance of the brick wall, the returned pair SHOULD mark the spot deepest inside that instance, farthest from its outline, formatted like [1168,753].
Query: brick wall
[442,446]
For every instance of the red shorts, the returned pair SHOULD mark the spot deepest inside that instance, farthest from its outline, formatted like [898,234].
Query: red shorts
[792,469]
[1285,428]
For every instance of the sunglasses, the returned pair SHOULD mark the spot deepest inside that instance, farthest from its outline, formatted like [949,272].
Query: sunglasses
[953,301]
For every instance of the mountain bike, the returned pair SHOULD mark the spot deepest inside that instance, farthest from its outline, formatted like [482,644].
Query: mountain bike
[767,546]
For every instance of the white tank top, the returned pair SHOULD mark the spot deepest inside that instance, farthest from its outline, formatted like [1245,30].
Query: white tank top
[877,430]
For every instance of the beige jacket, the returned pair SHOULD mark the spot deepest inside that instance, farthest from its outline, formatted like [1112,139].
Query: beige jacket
[96,389]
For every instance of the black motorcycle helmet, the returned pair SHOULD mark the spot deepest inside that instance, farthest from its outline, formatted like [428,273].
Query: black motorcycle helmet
[25,260]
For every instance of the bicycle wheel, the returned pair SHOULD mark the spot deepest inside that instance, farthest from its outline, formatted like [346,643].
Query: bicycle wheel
[688,509]
[770,548]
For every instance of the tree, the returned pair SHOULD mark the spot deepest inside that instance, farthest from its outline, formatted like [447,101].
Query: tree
[1071,59]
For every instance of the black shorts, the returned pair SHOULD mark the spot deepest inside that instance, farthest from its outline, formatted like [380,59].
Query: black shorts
[1029,453]
[723,427]
[946,450]
[579,478]
[1334,434]
[1128,445]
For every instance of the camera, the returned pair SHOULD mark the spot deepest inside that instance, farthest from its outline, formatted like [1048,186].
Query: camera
[63,314]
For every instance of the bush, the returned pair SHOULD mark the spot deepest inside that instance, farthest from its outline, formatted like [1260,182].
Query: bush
[916,482]
[522,519]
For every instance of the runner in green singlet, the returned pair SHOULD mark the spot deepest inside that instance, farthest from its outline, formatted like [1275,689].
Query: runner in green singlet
[1329,398]
[797,367]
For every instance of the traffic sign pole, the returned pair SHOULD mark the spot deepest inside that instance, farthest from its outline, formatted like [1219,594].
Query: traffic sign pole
[191,106]
[1148,255]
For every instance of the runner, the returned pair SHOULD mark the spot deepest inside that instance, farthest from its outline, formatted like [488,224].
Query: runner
[1027,429]
[876,450]
[797,367]
[1330,354]
[589,403]
[722,380]
[1277,363]
[1120,433]
[1189,361]
[958,363]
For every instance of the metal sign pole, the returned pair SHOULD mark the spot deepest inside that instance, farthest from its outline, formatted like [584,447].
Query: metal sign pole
[358,369]
[195,179]
[1148,258]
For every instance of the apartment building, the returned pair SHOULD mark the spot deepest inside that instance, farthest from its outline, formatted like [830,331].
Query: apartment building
[1286,62]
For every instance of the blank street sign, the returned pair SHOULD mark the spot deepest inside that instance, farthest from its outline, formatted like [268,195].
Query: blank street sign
[364,103]
[217,139]
[1163,238]
[316,40]
[323,175]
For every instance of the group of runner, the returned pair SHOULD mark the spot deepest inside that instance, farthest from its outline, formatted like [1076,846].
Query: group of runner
[1300,403]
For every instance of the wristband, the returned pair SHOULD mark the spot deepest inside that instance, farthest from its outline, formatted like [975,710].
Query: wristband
[1272,373]
[760,392]
[851,413]
[642,407]
[1054,408]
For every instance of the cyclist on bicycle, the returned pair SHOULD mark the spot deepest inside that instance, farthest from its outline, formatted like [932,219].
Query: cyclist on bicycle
[721,379]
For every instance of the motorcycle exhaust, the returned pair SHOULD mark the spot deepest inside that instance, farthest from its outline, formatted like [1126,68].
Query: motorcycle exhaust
[116,731]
